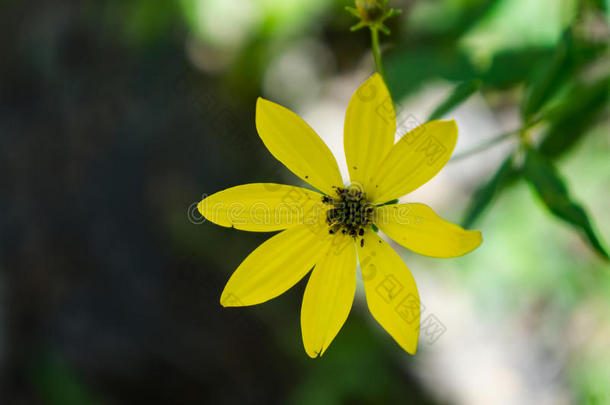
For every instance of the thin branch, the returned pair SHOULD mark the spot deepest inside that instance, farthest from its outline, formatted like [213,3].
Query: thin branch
[483,146]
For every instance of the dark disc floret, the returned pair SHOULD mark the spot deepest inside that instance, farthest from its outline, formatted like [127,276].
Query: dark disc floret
[350,214]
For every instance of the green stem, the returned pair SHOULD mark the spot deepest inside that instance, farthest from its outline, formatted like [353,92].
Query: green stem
[523,135]
[377,50]
[483,146]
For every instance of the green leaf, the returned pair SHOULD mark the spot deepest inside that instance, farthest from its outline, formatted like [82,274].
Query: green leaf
[489,191]
[394,201]
[594,5]
[573,118]
[408,69]
[458,96]
[57,383]
[447,23]
[473,13]
[546,181]
[513,66]
[546,80]
[570,57]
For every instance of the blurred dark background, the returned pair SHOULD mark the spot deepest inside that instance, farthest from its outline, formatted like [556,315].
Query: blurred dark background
[115,117]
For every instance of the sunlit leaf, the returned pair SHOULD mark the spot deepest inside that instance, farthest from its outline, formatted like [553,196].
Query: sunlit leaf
[486,193]
[553,191]
[457,97]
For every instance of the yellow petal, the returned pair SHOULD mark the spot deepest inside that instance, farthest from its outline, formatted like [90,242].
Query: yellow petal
[415,159]
[417,227]
[391,292]
[297,146]
[370,124]
[329,295]
[261,207]
[275,266]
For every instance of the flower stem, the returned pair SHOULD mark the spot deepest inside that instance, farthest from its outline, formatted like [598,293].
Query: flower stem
[377,50]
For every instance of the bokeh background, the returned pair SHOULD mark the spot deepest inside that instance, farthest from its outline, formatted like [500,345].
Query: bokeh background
[116,116]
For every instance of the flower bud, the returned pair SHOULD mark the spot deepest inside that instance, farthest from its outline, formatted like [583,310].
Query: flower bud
[370,11]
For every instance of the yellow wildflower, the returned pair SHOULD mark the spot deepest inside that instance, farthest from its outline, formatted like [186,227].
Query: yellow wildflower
[331,230]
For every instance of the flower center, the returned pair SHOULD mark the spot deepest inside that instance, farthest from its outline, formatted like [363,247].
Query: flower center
[350,214]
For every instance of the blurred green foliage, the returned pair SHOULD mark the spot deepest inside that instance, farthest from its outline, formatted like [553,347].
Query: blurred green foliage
[558,91]
[459,95]
[541,52]
[159,147]
[57,383]
[543,176]
[486,193]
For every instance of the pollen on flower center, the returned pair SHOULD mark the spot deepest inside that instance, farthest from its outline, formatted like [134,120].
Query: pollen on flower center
[350,214]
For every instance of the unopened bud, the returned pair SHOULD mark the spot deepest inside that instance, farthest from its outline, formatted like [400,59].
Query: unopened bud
[372,13]
[370,10]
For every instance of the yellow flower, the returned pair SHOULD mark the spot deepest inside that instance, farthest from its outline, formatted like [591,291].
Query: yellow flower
[332,229]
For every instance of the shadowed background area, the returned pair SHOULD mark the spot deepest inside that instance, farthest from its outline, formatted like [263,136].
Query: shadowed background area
[116,117]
